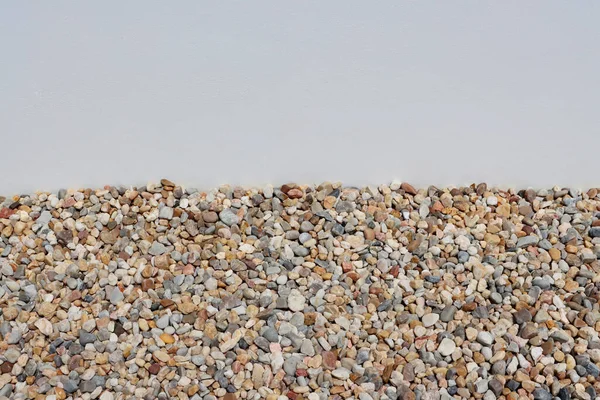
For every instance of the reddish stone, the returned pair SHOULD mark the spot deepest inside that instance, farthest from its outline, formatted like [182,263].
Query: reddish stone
[408,188]
[329,359]
[346,266]
[514,199]
[167,303]
[375,290]
[147,284]
[295,194]
[70,202]
[6,367]
[203,314]
[75,295]
[287,187]
[437,206]
[353,275]
[236,367]
[291,395]
[301,372]
[274,348]
[395,270]
[75,362]
[229,396]
[6,212]
[154,368]
[83,235]
[469,306]
[188,269]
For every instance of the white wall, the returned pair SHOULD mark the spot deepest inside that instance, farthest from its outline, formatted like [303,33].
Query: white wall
[446,92]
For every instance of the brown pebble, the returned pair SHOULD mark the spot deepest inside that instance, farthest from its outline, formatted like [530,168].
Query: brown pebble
[287,187]
[166,182]
[147,284]
[154,368]
[295,193]
[6,367]
[329,359]
[408,188]
[310,318]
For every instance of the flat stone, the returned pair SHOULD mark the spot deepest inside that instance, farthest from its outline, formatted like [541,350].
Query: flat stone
[44,326]
[529,331]
[157,249]
[341,373]
[116,296]
[527,241]
[485,338]
[14,336]
[307,348]
[430,319]
[166,213]
[522,316]
[296,301]
[448,313]
[229,217]
[446,347]
[271,335]
[86,337]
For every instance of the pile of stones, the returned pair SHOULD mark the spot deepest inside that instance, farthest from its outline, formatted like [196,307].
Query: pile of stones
[300,292]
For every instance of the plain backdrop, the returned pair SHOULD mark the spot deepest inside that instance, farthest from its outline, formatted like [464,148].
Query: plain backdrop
[205,93]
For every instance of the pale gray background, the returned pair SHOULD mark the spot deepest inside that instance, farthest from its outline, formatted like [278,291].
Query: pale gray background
[438,92]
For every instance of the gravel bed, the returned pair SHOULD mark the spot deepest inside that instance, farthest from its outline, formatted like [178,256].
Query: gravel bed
[300,292]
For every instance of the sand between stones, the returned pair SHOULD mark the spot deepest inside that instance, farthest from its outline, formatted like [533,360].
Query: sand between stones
[300,292]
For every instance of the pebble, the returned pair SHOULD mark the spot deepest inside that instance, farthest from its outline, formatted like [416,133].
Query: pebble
[522,316]
[341,373]
[448,313]
[485,338]
[44,326]
[296,300]
[116,296]
[229,217]
[430,319]
[157,249]
[446,347]
[86,337]
[300,292]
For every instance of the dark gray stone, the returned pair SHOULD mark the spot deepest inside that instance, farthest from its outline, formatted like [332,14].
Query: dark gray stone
[522,316]
[86,337]
[271,335]
[541,394]
[447,313]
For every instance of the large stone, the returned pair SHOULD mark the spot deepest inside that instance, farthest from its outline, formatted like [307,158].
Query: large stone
[229,217]
[446,347]
[296,300]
